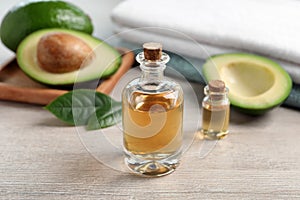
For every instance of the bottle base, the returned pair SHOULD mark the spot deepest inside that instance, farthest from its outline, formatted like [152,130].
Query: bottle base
[214,135]
[152,167]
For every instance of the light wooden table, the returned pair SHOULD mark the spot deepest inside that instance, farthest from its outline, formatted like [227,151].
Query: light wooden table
[42,158]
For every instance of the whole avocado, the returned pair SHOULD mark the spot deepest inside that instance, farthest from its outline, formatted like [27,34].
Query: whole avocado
[29,17]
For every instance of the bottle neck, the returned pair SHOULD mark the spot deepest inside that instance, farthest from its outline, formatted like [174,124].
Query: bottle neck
[216,96]
[152,70]
[153,74]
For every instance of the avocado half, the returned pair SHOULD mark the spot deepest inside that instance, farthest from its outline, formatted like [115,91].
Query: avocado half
[106,60]
[256,84]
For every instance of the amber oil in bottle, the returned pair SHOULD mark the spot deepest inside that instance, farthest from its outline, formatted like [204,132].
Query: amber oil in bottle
[152,117]
[215,111]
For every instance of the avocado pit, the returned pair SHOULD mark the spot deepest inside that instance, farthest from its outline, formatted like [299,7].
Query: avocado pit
[62,53]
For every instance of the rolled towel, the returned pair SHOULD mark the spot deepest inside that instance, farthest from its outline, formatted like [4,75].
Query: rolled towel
[201,28]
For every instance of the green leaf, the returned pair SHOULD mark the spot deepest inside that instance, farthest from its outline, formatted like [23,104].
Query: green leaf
[105,118]
[77,106]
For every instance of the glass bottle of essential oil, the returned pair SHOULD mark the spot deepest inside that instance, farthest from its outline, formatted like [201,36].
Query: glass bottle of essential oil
[215,110]
[152,116]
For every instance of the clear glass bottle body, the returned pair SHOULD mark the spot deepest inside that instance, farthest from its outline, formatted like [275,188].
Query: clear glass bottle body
[215,114]
[152,120]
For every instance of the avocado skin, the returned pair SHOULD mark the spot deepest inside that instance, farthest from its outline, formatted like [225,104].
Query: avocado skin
[253,112]
[22,20]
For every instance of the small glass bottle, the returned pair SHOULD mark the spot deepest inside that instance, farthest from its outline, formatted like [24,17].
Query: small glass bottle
[152,116]
[215,110]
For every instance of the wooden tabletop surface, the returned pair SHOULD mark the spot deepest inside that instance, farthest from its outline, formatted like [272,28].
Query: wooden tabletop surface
[42,158]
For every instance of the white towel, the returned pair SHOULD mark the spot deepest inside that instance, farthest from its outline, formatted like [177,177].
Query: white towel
[200,28]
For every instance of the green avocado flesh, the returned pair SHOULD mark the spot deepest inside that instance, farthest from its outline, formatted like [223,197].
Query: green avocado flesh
[256,84]
[105,62]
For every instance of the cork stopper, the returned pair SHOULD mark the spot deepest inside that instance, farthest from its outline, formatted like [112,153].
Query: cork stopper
[152,51]
[216,86]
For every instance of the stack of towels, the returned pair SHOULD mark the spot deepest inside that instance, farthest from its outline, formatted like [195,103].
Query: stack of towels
[201,28]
